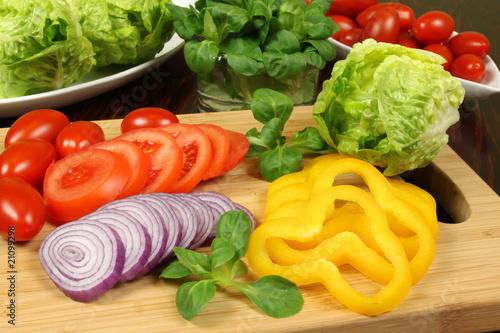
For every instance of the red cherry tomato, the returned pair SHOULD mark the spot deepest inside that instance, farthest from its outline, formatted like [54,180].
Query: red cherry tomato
[407,39]
[82,182]
[383,26]
[351,37]
[27,159]
[345,23]
[350,8]
[433,27]
[221,144]
[44,124]
[238,150]
[443,51]
[78,136]
[469,42]
[469,67]
[22,210]
[164,155]
[197,151]
[147,117]
[406,15]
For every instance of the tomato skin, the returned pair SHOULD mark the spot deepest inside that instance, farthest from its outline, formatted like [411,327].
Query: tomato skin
[146,118]
[27,159]
[469,67]
[383,26]
[443,51]
[221,144]
[22,210]
[407,39]
[469,42]
[77,136]
[238,150]
[433,27]
[44,124]
[350,8]
[345,23]
[406,15]
[81,182]
[351,37]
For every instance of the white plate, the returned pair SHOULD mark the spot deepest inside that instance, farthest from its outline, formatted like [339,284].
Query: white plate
[94,83]
[489,86]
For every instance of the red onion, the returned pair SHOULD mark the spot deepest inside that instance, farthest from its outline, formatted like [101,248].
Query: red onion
[84,259]
[205,215]
[253,222]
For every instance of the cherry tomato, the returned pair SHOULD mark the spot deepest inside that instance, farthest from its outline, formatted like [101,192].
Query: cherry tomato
[22,210]
[221,144]
[407,39]
[469,42]
[147,117]
[164,155]
[78,136]
[81,182]
[197,150]
[443,51]
[27,159]
[350,8]
[383,26]
[345,23]
[139,164]
[469,67]
[406,15]
[351,37]
[238,150]
[44,124]
[433,27]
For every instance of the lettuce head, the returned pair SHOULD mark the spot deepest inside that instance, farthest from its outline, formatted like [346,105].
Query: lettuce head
[41,47]
[388,105]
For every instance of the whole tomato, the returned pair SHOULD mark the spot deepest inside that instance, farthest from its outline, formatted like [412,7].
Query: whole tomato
[470,42]
[345,23]
[146,118]
[350,8]
[22,210]
[406,15]
[443,51]
[42,124]
[28,160]
[351,37]
[383,26]
[433,27]
[407,39]
[78,136]
[469,67]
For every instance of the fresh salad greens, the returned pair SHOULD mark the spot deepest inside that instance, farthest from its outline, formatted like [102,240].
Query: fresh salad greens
[277,156]
[280,37]
[275,295]
[388,105]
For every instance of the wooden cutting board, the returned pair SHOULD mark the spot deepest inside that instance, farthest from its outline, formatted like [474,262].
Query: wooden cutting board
[461,291]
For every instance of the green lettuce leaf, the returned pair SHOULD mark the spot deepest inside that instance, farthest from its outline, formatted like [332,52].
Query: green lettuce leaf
[388,105]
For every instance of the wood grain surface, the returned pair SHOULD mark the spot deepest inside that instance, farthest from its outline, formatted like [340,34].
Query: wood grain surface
[459,293]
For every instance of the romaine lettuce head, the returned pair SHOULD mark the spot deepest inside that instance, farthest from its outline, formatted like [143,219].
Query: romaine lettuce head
[41,47]
[388,105]
[125,32]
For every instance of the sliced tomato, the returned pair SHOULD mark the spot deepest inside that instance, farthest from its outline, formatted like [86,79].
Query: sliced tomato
[164,155]
[80,183]
[220,142]
[139,164]
[197,152]
[238,150]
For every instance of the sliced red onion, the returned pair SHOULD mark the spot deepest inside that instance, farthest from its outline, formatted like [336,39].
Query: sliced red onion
[134,236]
[84,259]
[253,222]
[205,218]
[219,204]
[150,219]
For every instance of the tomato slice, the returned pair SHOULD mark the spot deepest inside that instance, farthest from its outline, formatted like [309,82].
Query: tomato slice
[139,164]
[238,149]
[197,152]
[164,155]
[220,142]
[80,183]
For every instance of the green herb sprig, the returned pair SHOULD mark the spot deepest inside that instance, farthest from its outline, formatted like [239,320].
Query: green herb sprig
[275,295]
[280,37]
[277,156]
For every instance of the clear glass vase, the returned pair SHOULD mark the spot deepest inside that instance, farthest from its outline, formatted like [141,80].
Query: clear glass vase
[224,89]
